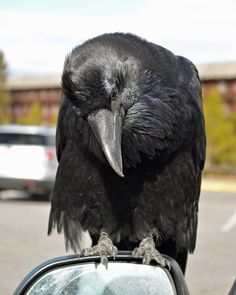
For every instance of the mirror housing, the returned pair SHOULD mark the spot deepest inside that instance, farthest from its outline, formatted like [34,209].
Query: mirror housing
[80,275]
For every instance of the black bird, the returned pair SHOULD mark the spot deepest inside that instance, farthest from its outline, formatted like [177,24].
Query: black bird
[131,148]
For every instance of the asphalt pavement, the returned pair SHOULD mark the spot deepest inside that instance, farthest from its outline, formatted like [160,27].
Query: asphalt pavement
[211,270]
[24,243]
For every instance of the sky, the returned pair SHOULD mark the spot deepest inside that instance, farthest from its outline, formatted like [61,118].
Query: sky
[35,36]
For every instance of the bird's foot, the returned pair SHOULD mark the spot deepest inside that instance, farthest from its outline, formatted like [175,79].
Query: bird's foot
[103,248]
[148,251]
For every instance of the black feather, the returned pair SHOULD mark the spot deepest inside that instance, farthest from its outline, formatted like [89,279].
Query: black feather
[163,144]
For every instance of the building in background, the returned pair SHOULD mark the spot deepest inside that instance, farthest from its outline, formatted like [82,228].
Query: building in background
[222,77]
[44,92]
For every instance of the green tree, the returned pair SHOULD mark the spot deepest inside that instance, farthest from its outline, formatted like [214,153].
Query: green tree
[5,100]
[220,130]
[54,117]
[34,116]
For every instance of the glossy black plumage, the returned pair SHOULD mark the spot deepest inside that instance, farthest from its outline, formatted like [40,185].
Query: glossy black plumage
[162,142]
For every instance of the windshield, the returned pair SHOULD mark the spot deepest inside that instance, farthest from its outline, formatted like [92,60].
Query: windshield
[28,139]
[92,279]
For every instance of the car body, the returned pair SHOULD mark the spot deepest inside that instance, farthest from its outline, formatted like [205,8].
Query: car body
[27,158]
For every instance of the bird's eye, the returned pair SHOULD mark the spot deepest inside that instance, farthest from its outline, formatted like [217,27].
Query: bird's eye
[77,110]
[113,94]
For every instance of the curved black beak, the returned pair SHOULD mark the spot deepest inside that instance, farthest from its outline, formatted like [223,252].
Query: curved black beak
[107,126]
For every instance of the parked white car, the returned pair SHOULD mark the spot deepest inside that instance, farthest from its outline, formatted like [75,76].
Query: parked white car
[27,158]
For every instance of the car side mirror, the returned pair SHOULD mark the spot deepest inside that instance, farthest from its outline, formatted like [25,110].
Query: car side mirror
[233,289]
[77,275]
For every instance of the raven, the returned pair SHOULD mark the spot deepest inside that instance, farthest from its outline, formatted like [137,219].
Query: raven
[131,148]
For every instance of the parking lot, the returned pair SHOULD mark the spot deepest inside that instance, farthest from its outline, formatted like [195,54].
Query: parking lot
[24,242]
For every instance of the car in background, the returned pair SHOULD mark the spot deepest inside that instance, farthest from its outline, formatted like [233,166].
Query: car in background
[27,158]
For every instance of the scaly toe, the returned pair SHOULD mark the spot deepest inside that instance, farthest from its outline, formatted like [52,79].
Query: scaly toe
[104,248]
[90,251]
[147,257]
[137,252]
[104,259]
[148,251]
[159,259]
[114,252]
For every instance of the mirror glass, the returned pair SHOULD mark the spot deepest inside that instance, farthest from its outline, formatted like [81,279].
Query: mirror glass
[93,279]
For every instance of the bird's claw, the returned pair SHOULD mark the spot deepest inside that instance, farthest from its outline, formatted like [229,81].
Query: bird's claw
[148,251]
[104,259]
[104,248]
[159,259]
[168,266]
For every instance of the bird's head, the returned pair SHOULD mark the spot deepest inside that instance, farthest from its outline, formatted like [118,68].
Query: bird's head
[102,89]
[128,112]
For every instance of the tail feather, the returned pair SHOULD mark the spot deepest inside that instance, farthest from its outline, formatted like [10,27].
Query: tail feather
[73,232]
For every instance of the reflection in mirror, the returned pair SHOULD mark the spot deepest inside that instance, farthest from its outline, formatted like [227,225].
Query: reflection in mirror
[93,279]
